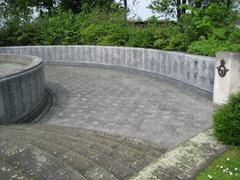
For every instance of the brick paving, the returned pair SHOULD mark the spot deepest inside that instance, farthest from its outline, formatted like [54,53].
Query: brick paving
[128,104]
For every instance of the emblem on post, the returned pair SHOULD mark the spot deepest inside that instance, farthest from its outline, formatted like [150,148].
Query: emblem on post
[222,70]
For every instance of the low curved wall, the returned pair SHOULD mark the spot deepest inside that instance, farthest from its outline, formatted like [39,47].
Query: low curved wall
[22,91]
[197,71]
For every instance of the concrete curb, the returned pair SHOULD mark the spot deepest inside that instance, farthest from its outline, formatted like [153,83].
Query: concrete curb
[186,160]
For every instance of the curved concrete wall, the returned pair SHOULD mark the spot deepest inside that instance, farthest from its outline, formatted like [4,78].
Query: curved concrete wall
[23,91]
[197,71]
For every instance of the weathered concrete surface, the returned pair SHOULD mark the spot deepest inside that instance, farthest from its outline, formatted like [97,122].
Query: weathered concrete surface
[10,68]
[185,161]
[55,152]
[22,87]
[230,83]
[194,70]
[127,104]
[59,153]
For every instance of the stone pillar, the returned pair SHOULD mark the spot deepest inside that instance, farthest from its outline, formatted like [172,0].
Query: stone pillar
[227,76]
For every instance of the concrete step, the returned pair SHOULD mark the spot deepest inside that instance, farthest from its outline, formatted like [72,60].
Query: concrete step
[9,172]
[73,159]
[146,148]
[123,162]
[51,152]
[108,140]
[33,162]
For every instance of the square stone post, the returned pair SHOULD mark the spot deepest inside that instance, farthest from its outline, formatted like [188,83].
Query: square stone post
[227,76]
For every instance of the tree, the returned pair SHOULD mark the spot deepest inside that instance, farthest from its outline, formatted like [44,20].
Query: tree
[24,8]
[48,4]
[176,8]
[21,8]
[76,6]
[167,8]
[125,4]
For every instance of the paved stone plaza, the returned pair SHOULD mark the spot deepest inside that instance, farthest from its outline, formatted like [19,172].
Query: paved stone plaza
[98,119]
[128,104]
[105,101]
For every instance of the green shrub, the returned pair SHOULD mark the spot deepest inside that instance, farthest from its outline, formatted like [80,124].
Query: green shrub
[103,28]
[141,36]
[60,29]
[117,36]
[226,121]
[18,32]
[235,36]
[210,47]
[177,42]
[204,31]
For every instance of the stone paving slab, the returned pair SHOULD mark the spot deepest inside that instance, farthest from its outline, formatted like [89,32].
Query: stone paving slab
[127,104]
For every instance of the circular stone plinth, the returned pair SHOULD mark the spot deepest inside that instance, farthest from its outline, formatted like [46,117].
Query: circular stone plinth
[128,104]
[22,88]
[10,68]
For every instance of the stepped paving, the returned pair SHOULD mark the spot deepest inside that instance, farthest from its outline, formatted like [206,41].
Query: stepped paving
[72,141]
[50,152]
[55,152]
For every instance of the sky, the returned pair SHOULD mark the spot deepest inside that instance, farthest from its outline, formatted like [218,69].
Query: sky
[139,9]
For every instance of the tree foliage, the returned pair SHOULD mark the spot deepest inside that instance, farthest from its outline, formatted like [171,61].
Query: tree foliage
[203,30]
[177,8]
[76,6]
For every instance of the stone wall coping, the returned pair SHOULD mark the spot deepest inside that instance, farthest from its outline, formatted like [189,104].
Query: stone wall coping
[195,70]
[117,47]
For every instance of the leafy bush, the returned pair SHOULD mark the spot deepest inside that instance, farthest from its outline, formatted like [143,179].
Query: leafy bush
[18,32]
[226,121]
[117,36]
[235,36]
[141,37]
[211,46]
[204,31]
[208,33]
[103,28]
[59,29]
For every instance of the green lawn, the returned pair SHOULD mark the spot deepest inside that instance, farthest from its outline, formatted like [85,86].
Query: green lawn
[225,167]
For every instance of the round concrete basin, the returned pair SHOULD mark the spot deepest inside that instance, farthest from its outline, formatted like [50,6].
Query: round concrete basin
[21,86]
